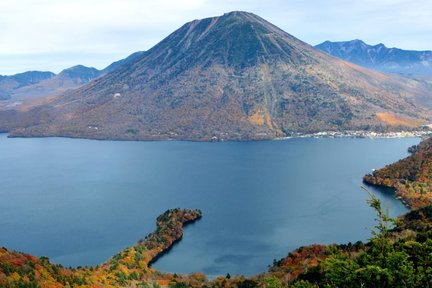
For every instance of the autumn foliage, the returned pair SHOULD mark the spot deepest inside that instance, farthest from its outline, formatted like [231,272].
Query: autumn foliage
[411,177]
[129,268]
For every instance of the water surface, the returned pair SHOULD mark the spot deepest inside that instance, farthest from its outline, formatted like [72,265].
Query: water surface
[81,201]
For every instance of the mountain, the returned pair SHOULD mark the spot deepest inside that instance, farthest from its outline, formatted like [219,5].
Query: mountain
[9,83]
[70,78]
[230,77]
[29,77]
[80,74]
[35,85]
[381,58]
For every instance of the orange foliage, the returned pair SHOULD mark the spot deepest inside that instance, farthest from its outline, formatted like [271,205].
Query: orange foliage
[258,118]
[393,120]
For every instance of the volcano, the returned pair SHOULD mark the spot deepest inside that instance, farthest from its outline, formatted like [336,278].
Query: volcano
[233,77]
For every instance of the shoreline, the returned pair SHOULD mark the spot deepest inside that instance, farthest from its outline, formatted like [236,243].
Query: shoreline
[323,134]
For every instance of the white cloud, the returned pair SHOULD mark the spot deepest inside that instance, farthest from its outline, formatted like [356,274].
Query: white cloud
[109,28]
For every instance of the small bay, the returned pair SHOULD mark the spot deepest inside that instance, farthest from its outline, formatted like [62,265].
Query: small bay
[81,201]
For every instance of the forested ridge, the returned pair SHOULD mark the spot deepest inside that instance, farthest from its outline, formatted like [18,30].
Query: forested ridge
[411,177]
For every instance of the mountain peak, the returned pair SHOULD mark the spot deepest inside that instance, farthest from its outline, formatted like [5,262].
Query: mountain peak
[380,47]
[355,41]
[81,71]
[241,14]
[234,76]
[227,16]
[78,68]
[236,13]
[236,39]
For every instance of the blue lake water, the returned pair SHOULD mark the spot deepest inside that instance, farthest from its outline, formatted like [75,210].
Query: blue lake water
[81,201]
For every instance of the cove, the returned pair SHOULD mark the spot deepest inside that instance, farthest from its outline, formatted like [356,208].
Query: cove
[81,201]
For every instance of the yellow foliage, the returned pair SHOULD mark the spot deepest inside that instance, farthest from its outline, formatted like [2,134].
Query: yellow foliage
[15,277]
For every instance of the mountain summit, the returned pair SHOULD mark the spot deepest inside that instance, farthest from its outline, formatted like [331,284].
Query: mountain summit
[230,77]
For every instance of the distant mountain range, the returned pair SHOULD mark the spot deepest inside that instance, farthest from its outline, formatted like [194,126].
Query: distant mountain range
[230,77]
[67,79]
[381,58]
[11,83]
[35,84]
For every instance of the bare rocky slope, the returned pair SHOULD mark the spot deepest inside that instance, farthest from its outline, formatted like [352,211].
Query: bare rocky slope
[230,77]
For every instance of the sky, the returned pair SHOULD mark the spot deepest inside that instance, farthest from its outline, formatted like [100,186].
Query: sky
[51,35]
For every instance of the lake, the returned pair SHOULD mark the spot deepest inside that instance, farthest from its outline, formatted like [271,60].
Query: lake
[81,201]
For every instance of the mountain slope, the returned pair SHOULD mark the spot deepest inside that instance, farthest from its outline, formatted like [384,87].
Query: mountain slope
[115,65]
[231,77]
[381,58]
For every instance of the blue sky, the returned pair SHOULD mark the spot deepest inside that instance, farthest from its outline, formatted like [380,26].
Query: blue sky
[56,34]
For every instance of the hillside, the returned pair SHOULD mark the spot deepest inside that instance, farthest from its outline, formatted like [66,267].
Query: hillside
[115,65]
[381,58]
[411,177]
[231,77]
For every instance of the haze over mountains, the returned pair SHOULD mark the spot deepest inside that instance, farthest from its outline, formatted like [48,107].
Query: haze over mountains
[230,77]
[381,58]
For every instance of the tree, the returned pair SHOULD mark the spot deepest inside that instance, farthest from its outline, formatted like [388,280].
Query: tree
[381,235]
